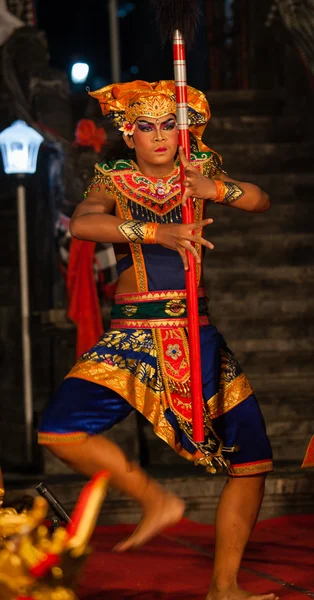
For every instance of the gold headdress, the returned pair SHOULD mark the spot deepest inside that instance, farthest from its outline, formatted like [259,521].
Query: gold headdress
[124,103]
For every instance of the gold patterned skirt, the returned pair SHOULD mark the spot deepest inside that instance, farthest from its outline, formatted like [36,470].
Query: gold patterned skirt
[142,362]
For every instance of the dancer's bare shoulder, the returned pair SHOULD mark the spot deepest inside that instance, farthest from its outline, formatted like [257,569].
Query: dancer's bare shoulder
[97,200]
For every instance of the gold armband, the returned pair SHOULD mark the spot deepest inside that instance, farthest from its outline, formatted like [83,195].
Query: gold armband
[138,232]
[227,192]
[2,492]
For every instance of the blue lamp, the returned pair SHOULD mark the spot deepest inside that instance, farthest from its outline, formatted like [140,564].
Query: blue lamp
[19,145]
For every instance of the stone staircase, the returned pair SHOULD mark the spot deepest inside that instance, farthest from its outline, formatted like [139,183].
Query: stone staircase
[260,277]
[260,284]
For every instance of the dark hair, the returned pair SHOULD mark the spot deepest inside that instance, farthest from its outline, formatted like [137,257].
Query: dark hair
[118,150]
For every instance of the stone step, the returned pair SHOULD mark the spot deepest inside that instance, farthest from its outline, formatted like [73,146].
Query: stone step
[259,305]
[260,158]
[283,217]
[288,184]
[244,346]
[263,278]
[260,247]
[289,490]
[283,328]
[300,430]
[287,446]
[262,363]
[284,406]
[240,298]
[245,102]
[252,256]
[260,128]
[265,344]
[275,390]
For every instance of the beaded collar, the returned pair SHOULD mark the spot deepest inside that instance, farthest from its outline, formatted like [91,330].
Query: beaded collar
[159,195]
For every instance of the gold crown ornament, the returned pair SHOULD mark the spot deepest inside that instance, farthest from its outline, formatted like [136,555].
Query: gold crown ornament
[155,105]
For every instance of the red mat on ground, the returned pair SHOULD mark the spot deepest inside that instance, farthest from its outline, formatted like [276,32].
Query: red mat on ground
[176,565]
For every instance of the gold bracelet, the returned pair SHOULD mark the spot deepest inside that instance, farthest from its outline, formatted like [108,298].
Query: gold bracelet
[138,232]
[221,190]
[150,233]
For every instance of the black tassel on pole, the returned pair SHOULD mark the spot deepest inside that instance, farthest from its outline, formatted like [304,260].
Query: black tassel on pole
[183,15]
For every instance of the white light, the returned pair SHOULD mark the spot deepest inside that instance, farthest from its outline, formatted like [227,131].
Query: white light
[79,72]
[19,146]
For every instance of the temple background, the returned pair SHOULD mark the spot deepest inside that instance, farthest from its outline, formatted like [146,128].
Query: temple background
[260,277]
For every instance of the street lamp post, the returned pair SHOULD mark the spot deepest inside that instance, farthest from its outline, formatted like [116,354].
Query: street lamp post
[114,41]
[19,146]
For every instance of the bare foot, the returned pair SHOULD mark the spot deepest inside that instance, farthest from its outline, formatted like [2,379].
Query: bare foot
[166,510]
[238,594]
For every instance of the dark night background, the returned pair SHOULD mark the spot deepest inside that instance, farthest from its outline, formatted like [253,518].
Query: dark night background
[72,37]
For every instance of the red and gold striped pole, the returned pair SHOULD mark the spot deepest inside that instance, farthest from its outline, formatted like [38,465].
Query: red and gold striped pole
[188,217]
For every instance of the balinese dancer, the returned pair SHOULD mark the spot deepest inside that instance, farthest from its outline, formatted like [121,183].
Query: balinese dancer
[142,361]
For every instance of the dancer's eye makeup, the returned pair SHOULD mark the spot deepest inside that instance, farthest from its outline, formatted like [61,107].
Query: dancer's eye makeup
[146,126]
[169,124]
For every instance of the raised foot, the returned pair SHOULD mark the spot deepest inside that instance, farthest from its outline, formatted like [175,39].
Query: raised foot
[238,594]
[167,510]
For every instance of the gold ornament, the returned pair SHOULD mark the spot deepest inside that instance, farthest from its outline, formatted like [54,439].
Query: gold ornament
[155,106]
[41,565]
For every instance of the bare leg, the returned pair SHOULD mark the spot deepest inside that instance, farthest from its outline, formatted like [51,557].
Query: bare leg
[160,508]
[237,513]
